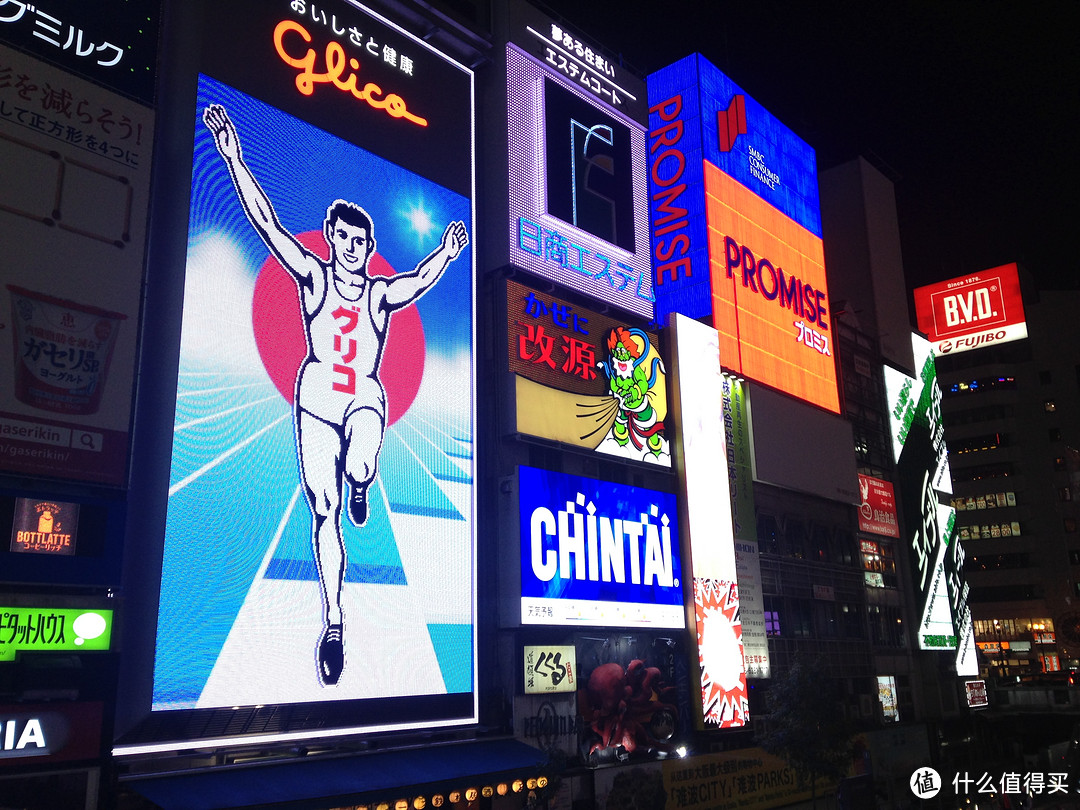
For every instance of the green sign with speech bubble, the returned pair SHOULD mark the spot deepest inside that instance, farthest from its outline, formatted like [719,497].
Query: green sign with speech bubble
[37,629]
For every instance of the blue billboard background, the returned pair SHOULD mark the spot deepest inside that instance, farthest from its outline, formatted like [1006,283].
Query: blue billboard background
[786,161]
[553,491]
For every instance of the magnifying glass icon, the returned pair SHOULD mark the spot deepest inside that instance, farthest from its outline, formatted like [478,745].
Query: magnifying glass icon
[87,441]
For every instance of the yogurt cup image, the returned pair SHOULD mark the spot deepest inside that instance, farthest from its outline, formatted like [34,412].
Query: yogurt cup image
[62,351]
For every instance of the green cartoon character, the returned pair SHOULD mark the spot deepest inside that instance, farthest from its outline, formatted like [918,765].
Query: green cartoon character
[633,369]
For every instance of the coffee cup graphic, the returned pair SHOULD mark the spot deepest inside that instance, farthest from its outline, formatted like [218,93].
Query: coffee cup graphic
[62,351]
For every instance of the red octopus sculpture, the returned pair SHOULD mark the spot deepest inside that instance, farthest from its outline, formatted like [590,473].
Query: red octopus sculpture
[619,704]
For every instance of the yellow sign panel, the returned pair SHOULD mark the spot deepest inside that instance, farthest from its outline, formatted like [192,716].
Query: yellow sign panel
[735,780]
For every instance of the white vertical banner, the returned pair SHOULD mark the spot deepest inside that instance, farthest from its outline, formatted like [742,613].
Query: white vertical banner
[701,463]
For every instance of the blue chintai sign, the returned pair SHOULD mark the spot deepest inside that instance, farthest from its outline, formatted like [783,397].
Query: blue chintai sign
[597,553]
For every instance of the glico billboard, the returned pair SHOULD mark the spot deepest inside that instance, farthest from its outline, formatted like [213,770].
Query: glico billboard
[971,312]
[596,553]
[320,527]
[736,230]
[577,190]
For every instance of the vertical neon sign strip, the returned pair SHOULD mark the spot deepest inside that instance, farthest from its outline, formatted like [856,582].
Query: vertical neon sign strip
[702,464]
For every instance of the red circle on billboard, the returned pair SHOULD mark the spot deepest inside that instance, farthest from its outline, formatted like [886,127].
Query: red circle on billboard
[279,332]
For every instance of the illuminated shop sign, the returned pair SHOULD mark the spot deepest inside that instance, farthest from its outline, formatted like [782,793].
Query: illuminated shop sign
[114,43]
[749,778]
[974,311]
[701,461]
[76,187]
[991,500]
[44,527]
[736,230]
[935,551]
[32,629]
[752,609]
[550,668]
[987,531]
[577,187]
[566,53]
[598,553]
[886,685]
[326,365]
[586,379]
[39,733]
[736,413]
[877,514]
[976,694]
[915,404]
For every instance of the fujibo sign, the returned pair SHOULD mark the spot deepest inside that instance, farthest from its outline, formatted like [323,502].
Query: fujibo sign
[597,553]
[53,630]
[974,311]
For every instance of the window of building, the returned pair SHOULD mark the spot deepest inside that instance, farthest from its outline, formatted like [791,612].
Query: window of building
[825,621]
[984,413]
[996,562]
[989,500]
[973,386]
[795,538]
[988,531]
[768,532]
[976,444]
[879,563]
[1006,593]
[1059,464]
[820,543]
[886,626]
[772,622]
[850,624]
[980,472]
[1049,406]
[800,623]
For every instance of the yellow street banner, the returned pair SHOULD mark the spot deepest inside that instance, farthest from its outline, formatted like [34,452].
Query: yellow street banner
[748,778]
[734,780]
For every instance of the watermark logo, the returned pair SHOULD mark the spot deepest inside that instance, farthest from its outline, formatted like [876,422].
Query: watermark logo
[925,783]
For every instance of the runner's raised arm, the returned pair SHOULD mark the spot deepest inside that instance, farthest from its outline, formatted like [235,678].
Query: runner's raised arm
[403,289]
[297,260]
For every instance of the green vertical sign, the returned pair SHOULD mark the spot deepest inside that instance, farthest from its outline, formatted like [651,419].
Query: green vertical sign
[740,475]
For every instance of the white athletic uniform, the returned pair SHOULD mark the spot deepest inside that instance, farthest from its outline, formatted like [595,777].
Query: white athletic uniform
[340,373]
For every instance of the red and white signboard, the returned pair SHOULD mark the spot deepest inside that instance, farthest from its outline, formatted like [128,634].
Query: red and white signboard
[878,511]
[976,694]
[973,311]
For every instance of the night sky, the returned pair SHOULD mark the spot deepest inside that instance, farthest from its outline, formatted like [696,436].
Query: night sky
[971,109]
